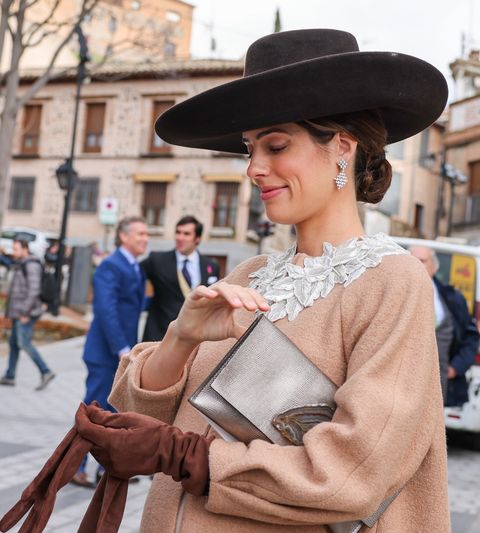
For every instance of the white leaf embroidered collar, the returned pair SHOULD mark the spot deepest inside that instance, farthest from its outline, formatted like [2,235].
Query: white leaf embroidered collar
[290,288]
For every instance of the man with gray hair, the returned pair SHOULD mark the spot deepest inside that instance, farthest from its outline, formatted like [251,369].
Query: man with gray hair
[118,300]
[455,330]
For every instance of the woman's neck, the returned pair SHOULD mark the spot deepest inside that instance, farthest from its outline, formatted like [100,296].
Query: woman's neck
[332,227]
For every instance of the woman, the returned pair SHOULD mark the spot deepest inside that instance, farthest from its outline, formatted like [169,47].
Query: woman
[314,115]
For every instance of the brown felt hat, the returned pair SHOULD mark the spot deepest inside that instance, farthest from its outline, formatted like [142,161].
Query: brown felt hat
[306,74]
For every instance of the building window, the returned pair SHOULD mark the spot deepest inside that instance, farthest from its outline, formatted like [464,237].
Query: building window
[21,194]
[94,122]
[85,195]
[157,145]
[225,208]
[31,129]
[153,208]
[256,209]
[391,201]
[418,218]
[169,49]
[424,156]
[474,178]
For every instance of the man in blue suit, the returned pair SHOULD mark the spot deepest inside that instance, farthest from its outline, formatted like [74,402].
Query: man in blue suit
[119,297]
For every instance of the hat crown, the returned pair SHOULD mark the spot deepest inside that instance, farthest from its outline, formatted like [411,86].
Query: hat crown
[288,47]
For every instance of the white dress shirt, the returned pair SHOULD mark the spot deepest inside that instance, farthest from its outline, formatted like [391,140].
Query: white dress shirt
[193,266]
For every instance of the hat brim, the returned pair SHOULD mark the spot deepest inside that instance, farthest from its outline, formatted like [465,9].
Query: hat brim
[409,93]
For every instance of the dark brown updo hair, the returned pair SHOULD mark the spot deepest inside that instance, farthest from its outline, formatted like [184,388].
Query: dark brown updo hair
[373,173]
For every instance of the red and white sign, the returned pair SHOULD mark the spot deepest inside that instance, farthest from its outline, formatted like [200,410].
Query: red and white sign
[108,211]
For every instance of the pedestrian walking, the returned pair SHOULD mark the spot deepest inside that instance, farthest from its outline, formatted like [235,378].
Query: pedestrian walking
[455,330]
[118,300]
[174,274]
[24,308]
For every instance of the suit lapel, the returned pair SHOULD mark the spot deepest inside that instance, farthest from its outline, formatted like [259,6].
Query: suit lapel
[169,267]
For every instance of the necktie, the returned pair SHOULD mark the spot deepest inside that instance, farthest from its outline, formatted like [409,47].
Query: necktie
[186,273]
[136,267]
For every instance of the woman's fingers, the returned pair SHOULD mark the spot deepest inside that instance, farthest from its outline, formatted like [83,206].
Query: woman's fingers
[238,296]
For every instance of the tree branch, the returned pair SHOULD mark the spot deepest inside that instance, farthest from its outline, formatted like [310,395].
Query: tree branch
[36,26]
[42,80]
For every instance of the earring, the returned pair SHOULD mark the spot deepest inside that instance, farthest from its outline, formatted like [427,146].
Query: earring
[341,178]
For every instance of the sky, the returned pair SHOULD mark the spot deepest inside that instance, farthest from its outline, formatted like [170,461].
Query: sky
[429,29]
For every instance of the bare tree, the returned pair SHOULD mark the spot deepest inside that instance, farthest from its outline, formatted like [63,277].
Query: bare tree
[26,24]
[18,33]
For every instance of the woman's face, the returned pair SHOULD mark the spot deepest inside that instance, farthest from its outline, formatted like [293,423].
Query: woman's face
[294,173]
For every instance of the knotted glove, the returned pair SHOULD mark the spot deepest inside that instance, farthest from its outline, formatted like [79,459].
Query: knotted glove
[126,445]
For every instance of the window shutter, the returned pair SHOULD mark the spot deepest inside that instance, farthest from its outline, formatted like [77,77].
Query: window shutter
[94,124]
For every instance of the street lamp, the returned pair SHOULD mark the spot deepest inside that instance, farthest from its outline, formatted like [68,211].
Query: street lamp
[65,173]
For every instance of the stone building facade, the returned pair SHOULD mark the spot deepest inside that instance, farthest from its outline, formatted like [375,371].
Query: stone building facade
[118,156]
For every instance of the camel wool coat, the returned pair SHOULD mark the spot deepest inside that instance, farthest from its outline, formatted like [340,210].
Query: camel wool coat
[375,340]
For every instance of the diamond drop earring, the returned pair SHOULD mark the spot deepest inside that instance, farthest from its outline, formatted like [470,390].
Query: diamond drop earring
[341,178]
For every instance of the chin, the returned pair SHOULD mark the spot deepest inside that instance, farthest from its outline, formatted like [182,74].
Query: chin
[279,216]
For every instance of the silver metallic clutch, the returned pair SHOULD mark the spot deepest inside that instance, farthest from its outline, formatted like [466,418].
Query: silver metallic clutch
[266,388]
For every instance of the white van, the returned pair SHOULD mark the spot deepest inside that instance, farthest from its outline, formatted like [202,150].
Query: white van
[460,267]
[38,241]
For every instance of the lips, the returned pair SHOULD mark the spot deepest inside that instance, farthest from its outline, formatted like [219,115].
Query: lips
[266,193]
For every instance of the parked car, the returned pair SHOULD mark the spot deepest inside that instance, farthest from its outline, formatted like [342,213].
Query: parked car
[460,267]
[38,240]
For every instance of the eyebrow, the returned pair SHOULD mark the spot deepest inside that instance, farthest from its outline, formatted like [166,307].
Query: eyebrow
[263,133]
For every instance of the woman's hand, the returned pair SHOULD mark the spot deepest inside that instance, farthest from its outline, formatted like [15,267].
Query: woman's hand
[208,312]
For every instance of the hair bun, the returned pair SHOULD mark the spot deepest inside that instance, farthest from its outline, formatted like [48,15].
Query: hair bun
[374,181]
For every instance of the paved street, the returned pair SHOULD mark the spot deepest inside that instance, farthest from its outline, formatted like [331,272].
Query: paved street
[33,423]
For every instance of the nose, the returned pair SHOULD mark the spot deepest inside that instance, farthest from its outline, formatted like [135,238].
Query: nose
[257,167]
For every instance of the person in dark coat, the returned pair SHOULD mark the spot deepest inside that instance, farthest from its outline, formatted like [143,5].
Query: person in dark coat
[119,298]
[173,274]
[456,332]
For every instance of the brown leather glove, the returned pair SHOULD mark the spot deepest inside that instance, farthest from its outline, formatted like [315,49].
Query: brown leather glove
[126,445]
[130,444]
[39,496]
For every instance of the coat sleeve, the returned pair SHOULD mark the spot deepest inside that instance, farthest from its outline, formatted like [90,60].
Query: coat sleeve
[107,287]
[33,275]
[467,347]
[388,412]
[127,394]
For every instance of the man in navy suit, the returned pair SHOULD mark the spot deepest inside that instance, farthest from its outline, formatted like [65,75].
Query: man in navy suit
[119,297]
[173,274]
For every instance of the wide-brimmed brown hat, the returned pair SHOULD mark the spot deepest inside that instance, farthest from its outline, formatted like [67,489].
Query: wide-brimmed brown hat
[306,74]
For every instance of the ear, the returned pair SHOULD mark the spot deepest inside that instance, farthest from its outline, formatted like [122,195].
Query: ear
[346,146]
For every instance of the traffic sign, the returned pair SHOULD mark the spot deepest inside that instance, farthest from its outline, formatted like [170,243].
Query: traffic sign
[108,211]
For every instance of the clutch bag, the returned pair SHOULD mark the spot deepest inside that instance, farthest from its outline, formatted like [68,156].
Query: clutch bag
[266,388]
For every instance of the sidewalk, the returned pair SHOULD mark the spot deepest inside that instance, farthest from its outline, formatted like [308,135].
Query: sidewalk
[33,423]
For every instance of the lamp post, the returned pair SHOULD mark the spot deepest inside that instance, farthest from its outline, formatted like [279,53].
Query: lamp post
[65,173]
[453,176]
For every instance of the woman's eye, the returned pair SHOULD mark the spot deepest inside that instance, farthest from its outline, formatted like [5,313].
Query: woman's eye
[276,149]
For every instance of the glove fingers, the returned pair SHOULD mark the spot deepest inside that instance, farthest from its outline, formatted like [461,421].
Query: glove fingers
[17,512]
[38,485]
[43,506]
